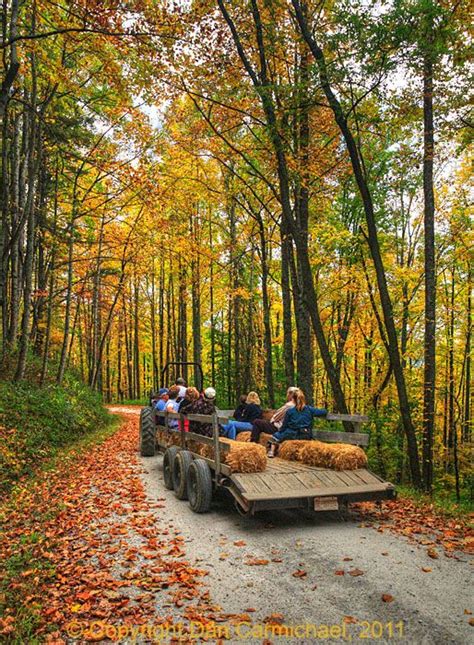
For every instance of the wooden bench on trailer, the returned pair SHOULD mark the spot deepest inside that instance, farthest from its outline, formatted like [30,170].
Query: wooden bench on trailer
[283,484]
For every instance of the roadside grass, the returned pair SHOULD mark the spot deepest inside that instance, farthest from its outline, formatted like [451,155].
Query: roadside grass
[443,501]
[30,561]
[36,422]
[141,402]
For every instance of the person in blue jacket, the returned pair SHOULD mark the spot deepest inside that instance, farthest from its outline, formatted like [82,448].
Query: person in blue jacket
[298,422]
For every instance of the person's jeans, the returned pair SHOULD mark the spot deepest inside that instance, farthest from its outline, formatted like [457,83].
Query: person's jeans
[232,429]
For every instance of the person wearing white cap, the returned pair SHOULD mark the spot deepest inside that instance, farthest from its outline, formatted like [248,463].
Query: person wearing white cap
[206,404]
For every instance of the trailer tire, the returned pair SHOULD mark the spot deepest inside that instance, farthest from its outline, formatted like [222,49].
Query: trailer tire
[147,432]
[181,463]
[168,460]
[199,486]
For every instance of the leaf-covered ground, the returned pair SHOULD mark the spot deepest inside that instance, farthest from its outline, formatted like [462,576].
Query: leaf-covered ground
[80,545]
[83,547]
[421,524]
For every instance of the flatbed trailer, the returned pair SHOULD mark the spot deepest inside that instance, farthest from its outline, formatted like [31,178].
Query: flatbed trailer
[282,485]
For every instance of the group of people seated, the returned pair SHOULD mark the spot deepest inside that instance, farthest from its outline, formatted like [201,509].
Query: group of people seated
[293,420]
[188,400]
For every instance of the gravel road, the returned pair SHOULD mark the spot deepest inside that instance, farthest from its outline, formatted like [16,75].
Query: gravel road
[427,607]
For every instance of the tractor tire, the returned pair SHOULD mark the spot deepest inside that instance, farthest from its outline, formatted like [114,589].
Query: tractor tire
[147,432]
[199,486]
[168,460]
[181,464]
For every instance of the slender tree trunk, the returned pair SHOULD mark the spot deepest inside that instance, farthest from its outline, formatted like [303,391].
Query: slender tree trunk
[33,163]
[304,347]
[136,339]
[268,348]
[430,275]
[196,297]
[211,304]
[466,431]
[153,328]
[264,88]
[286,244]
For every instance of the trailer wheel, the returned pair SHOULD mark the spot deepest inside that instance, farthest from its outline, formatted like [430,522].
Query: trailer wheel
[199,486]
[168,460]
[181,463]
[147,433]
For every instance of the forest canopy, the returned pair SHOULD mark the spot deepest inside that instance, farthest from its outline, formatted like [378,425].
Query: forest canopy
[277,189]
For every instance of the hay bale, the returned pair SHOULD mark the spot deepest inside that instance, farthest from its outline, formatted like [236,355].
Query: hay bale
[315,453]
[246,458]
[244,436]
[243,457]
[160,436]
[206,451]
[344,456]
[292,449]
[193,446]
[174,438]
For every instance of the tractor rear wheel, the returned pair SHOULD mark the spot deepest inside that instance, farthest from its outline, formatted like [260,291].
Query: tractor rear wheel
[147,432]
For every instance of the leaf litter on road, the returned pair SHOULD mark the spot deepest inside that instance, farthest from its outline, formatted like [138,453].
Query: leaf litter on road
[95,548]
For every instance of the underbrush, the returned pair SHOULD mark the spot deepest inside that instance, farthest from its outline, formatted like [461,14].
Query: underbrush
[35,422]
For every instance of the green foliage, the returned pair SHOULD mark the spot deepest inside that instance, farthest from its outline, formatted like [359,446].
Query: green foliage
[36,421]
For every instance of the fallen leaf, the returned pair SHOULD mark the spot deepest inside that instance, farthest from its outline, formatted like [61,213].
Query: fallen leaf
[274,619]
[426,569]
[256,562]
[356,572]
[433,554]
[386,597]
[347,559]
[240,543]
[339,572]
[468,612]
[471,622]
[350,620]
[299,573]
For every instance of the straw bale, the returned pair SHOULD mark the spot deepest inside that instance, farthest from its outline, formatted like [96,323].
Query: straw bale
[292,449]
[244,436]
[315,453]
[344,456]
[247,458]
[243,457]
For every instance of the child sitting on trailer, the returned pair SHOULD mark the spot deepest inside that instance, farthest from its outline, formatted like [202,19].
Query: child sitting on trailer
[298,422]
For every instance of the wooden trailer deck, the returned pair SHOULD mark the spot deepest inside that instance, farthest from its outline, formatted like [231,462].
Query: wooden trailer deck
[283,479]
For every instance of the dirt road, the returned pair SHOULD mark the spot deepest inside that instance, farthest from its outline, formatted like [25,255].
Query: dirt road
[97,550]
[321,571]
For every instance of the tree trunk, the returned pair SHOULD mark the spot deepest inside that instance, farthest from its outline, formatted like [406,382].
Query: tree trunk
[286,249]
[430,275]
